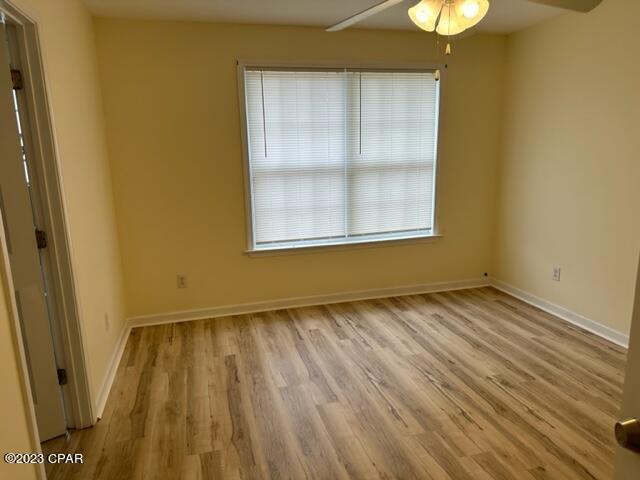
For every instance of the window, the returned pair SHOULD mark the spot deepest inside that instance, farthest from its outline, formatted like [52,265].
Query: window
[340,156]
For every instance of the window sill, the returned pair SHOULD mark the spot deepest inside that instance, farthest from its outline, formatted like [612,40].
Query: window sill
[374,243]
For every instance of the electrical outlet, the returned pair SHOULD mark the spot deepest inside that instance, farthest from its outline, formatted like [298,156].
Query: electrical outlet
[556,274]
[107,323]
[181,281]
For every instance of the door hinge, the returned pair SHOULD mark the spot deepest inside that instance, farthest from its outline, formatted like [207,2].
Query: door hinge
[62,376]
[41,239]
[16,79]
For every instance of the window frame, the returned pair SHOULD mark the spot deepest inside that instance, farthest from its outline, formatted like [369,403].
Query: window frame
[373,241]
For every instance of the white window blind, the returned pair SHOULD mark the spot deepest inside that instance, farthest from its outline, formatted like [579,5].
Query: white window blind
[340,156]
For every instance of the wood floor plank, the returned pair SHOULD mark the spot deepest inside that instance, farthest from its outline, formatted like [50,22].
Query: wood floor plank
[471,384]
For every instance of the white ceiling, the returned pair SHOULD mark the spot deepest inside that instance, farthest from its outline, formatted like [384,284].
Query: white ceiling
[504,16]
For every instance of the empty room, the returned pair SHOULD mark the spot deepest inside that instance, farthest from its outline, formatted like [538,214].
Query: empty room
[303,239]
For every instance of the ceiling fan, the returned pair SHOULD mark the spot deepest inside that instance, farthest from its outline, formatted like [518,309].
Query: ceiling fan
[450,17]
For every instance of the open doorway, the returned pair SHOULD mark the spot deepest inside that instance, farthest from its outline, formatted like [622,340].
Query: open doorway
[34,237]
[26,245]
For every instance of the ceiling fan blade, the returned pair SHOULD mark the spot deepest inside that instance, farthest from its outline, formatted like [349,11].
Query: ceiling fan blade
[353,19]
[577,5]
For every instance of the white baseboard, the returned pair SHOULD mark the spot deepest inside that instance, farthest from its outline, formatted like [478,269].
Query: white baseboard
[101,400]
[592,326]
[244,308]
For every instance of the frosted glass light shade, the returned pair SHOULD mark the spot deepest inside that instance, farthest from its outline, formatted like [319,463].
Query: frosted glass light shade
[449,22]
[425,13]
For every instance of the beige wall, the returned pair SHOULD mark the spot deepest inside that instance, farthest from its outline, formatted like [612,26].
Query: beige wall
[569,191]
[68,49]
[171,103]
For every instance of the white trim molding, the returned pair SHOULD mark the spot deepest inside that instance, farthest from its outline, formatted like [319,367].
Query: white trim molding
[242,65]
[105,389]
[293,302]
[570,316]
[58,257]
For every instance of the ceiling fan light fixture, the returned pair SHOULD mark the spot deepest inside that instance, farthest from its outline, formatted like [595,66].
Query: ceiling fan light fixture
[425,13]
[448,17]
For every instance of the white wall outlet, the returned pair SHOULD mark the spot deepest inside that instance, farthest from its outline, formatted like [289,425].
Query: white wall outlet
[556,274]
[181,280]
[107,323]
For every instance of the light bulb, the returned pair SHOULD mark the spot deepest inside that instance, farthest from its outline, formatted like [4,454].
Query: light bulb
[422,14]
[470,12]
[470,9]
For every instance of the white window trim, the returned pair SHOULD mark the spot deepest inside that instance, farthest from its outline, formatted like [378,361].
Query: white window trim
[282,248]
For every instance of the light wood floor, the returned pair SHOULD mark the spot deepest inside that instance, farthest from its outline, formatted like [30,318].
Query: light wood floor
[471,384]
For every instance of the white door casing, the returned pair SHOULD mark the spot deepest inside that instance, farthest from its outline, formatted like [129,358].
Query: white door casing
[25,264]
[627,461]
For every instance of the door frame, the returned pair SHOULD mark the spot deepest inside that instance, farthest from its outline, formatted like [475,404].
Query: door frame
[45,161]
[626,459]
